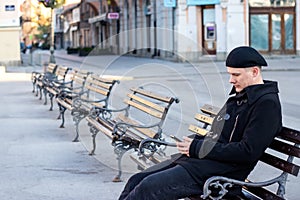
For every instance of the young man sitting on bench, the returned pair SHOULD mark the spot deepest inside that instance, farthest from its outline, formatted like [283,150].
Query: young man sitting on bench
[240,133]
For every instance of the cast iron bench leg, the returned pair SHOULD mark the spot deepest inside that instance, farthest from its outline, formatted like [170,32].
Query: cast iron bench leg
[45,96]
[78,115]
[51,101]
[94,132]
[62,111]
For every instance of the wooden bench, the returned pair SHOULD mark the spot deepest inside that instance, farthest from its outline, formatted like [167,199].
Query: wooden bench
[37,78]
[280,156]
[69,91]
[95,94]
[201,127]
[52,84]
[143,117]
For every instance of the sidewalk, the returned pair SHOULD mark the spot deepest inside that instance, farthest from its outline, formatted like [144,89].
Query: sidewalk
[38,159]
[275,62]
[291,62]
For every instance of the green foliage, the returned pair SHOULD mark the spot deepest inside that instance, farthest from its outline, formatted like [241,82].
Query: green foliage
[44,33]
[52,3]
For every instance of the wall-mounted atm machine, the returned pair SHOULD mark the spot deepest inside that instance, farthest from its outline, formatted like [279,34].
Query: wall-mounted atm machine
[210,38]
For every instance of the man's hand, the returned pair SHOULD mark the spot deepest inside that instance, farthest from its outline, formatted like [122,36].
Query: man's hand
[184,146]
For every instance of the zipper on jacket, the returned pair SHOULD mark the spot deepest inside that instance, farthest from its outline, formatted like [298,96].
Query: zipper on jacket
[234,126]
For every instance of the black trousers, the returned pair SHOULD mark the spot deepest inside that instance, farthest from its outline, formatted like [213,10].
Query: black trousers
[166,181]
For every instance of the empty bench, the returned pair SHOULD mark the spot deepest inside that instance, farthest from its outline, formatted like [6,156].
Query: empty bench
[201,126]
[281,156]
[69,91]
[95,95]
[142,117]
[52,85]
[37,78]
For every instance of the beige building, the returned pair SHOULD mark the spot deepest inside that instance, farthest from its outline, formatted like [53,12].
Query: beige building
[10,32]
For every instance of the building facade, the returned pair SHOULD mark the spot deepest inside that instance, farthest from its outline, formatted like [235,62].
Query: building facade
[186,29]
[10,32]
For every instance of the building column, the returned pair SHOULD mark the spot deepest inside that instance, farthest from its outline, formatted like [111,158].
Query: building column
[236,26]
[297,27]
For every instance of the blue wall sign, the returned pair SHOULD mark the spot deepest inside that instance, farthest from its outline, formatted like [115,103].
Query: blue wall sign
[9,7]
[170,3]
[201,2]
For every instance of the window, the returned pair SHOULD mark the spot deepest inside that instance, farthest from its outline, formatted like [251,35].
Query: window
[259,31]
[271,3]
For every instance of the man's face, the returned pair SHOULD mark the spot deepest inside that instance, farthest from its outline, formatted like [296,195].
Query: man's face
[240,77]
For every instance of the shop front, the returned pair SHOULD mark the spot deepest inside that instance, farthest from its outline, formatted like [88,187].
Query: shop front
[273,26]
[207,24]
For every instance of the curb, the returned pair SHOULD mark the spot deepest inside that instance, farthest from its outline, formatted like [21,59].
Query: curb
[2,70]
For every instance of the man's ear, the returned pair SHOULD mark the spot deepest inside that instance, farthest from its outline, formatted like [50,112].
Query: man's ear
[255,71]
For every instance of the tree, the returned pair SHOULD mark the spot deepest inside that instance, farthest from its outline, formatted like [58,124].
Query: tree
[52,3]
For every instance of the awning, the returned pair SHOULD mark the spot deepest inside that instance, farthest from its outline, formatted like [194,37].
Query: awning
[73,28]
[201,2]
[97,18]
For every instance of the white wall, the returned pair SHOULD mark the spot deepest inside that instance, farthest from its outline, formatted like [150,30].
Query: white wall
[221,36]
[236,27]
[10,31]
[298,27]
[10,41]
[187,43]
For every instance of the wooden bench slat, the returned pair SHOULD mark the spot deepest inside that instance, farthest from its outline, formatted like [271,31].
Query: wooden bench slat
[148,132]
[203,118]
[98,105]
[51,67]
[81,72]
[79,79]
[107,128]
[262,193]
[143,108]
[148,103]
[290,135]
[151,95]
[102,80]
[198,130]
[210,110]
[280,164]
[98,84]
[104,128]
[285,148]
[97,90]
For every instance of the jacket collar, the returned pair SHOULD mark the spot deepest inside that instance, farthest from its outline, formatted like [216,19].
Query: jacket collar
[254,92]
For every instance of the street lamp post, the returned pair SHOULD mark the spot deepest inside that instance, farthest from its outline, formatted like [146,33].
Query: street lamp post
[52,4]
[52,57]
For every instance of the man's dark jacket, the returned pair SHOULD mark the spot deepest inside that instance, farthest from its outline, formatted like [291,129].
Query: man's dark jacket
[240,133]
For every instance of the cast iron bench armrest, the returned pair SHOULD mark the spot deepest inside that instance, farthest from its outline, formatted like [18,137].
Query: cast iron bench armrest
[106,113]
[127,125]
[223,184]
[156,142]
[88,100]
[92,101]
[64,90]
[110,110]
[65,82]
[69,90]
[67,93]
